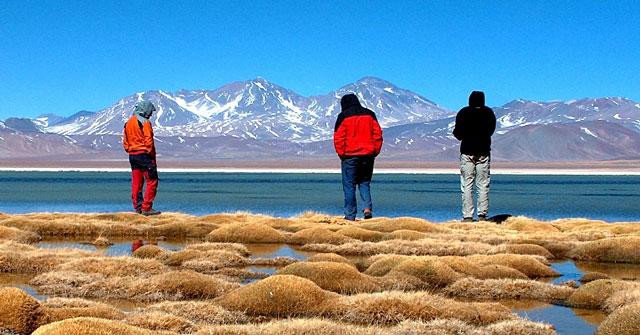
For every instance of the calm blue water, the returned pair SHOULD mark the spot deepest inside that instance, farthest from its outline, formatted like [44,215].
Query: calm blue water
[434,197]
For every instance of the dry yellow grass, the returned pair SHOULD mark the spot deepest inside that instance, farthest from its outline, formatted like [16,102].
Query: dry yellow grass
[393,307]
[17,235]
[432,273]
[495,289]
[521,223]
[404,234]
[528,265]
[329,257]
[623,321]
[280,295]
[594,294]
[200,312]
[317,235]
[360,234]
[19,312]
[237,248]
[20,258]
[622,298]
[591,276]
[246,233]
[93,326]
[150,251]
[386,225]
[616,250]
[114,266]
[332,276]
[160,321]
[522,249]
[402,247]
[58,309]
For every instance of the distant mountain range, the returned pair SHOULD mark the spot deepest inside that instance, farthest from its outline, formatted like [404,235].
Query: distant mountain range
[257,119]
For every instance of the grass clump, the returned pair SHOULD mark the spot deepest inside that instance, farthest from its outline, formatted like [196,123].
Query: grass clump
[361,234]
[93,326]
[115,266]
[160,321]
[591,276]
[615,250]
[594,294]
[494,289]
[246,233]
[279,295]
[386,225]
[19,312]
[329,257]
[58,309]
[522,249]
[431,273]
[623,321]
[528,265]
[17,235]
[200,312]
[318,235]
[332,276]
[622,298]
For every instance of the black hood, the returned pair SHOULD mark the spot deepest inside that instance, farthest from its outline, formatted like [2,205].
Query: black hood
[349,101]
[476,99]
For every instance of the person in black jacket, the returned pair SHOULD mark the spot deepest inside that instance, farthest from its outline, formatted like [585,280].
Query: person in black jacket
[474,126]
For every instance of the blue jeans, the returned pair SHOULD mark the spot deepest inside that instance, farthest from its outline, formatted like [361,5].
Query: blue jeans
[356,171]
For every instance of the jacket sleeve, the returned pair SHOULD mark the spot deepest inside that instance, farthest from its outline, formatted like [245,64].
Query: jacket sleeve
[377,137]
[492,122]
[458,129]
[340,137]
[125,140]
[147,133]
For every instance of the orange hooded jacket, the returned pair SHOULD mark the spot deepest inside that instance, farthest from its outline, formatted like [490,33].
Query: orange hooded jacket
[138,137]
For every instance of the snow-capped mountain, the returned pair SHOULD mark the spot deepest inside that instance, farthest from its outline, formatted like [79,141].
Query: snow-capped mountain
[257,109]
[262,120]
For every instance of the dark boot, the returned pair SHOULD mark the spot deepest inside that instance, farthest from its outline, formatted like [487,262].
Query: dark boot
[367,214]
[151,212]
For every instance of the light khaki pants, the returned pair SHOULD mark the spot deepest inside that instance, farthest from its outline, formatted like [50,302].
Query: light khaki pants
[474,170]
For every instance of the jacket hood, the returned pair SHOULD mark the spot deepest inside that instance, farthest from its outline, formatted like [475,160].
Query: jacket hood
[348,101]
[145,109]
[476,99]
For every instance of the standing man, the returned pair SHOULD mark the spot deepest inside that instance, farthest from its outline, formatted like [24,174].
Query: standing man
[357,139]
[138,143]
[474,126]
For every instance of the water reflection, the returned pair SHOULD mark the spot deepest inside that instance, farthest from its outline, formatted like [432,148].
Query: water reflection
[259,250]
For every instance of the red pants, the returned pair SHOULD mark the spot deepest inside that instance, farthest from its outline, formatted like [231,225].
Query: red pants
[138,178]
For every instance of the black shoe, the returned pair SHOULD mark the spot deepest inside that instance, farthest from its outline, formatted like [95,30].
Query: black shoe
[151,212]
[482,217]
[467,220]
[368,215]
[138,210]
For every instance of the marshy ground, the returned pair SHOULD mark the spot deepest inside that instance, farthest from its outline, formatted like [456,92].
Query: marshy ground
[315,274]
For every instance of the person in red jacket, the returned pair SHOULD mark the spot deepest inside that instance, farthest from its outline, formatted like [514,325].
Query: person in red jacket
[357,139]
[138,143]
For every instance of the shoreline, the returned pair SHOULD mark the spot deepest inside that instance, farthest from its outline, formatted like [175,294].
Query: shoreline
[422,171]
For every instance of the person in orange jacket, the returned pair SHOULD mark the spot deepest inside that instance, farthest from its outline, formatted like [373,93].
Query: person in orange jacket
[138,143]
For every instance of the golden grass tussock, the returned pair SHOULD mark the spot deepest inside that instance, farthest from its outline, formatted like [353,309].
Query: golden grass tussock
[151,251]
[380,265]
[115,266]
[160,321]
[392,307]
[200,312]
[525,224]
[386,225]
[237,248]
[622,298]
[615,250]
[170,285]
[318,235]
[93,326]
[522,249]
[279,295]
[292,327]
[528,265]
[591,276]
[332,276]
[623,321]
[58,309]
[494,289]
[19,312]
[361,234]
[594,294]
[404,234]
[329,257]
[205,261]
[402,247]
[17,235]
[431,272]
[101,242]
[19,258]
[246,233]
[277,261]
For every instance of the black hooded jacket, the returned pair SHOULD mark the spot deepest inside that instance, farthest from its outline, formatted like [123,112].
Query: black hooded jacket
[474,126]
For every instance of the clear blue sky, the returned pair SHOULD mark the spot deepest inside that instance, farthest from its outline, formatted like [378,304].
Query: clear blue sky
[64,56]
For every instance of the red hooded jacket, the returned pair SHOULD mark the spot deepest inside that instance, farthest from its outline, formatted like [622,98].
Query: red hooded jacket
[357,131]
